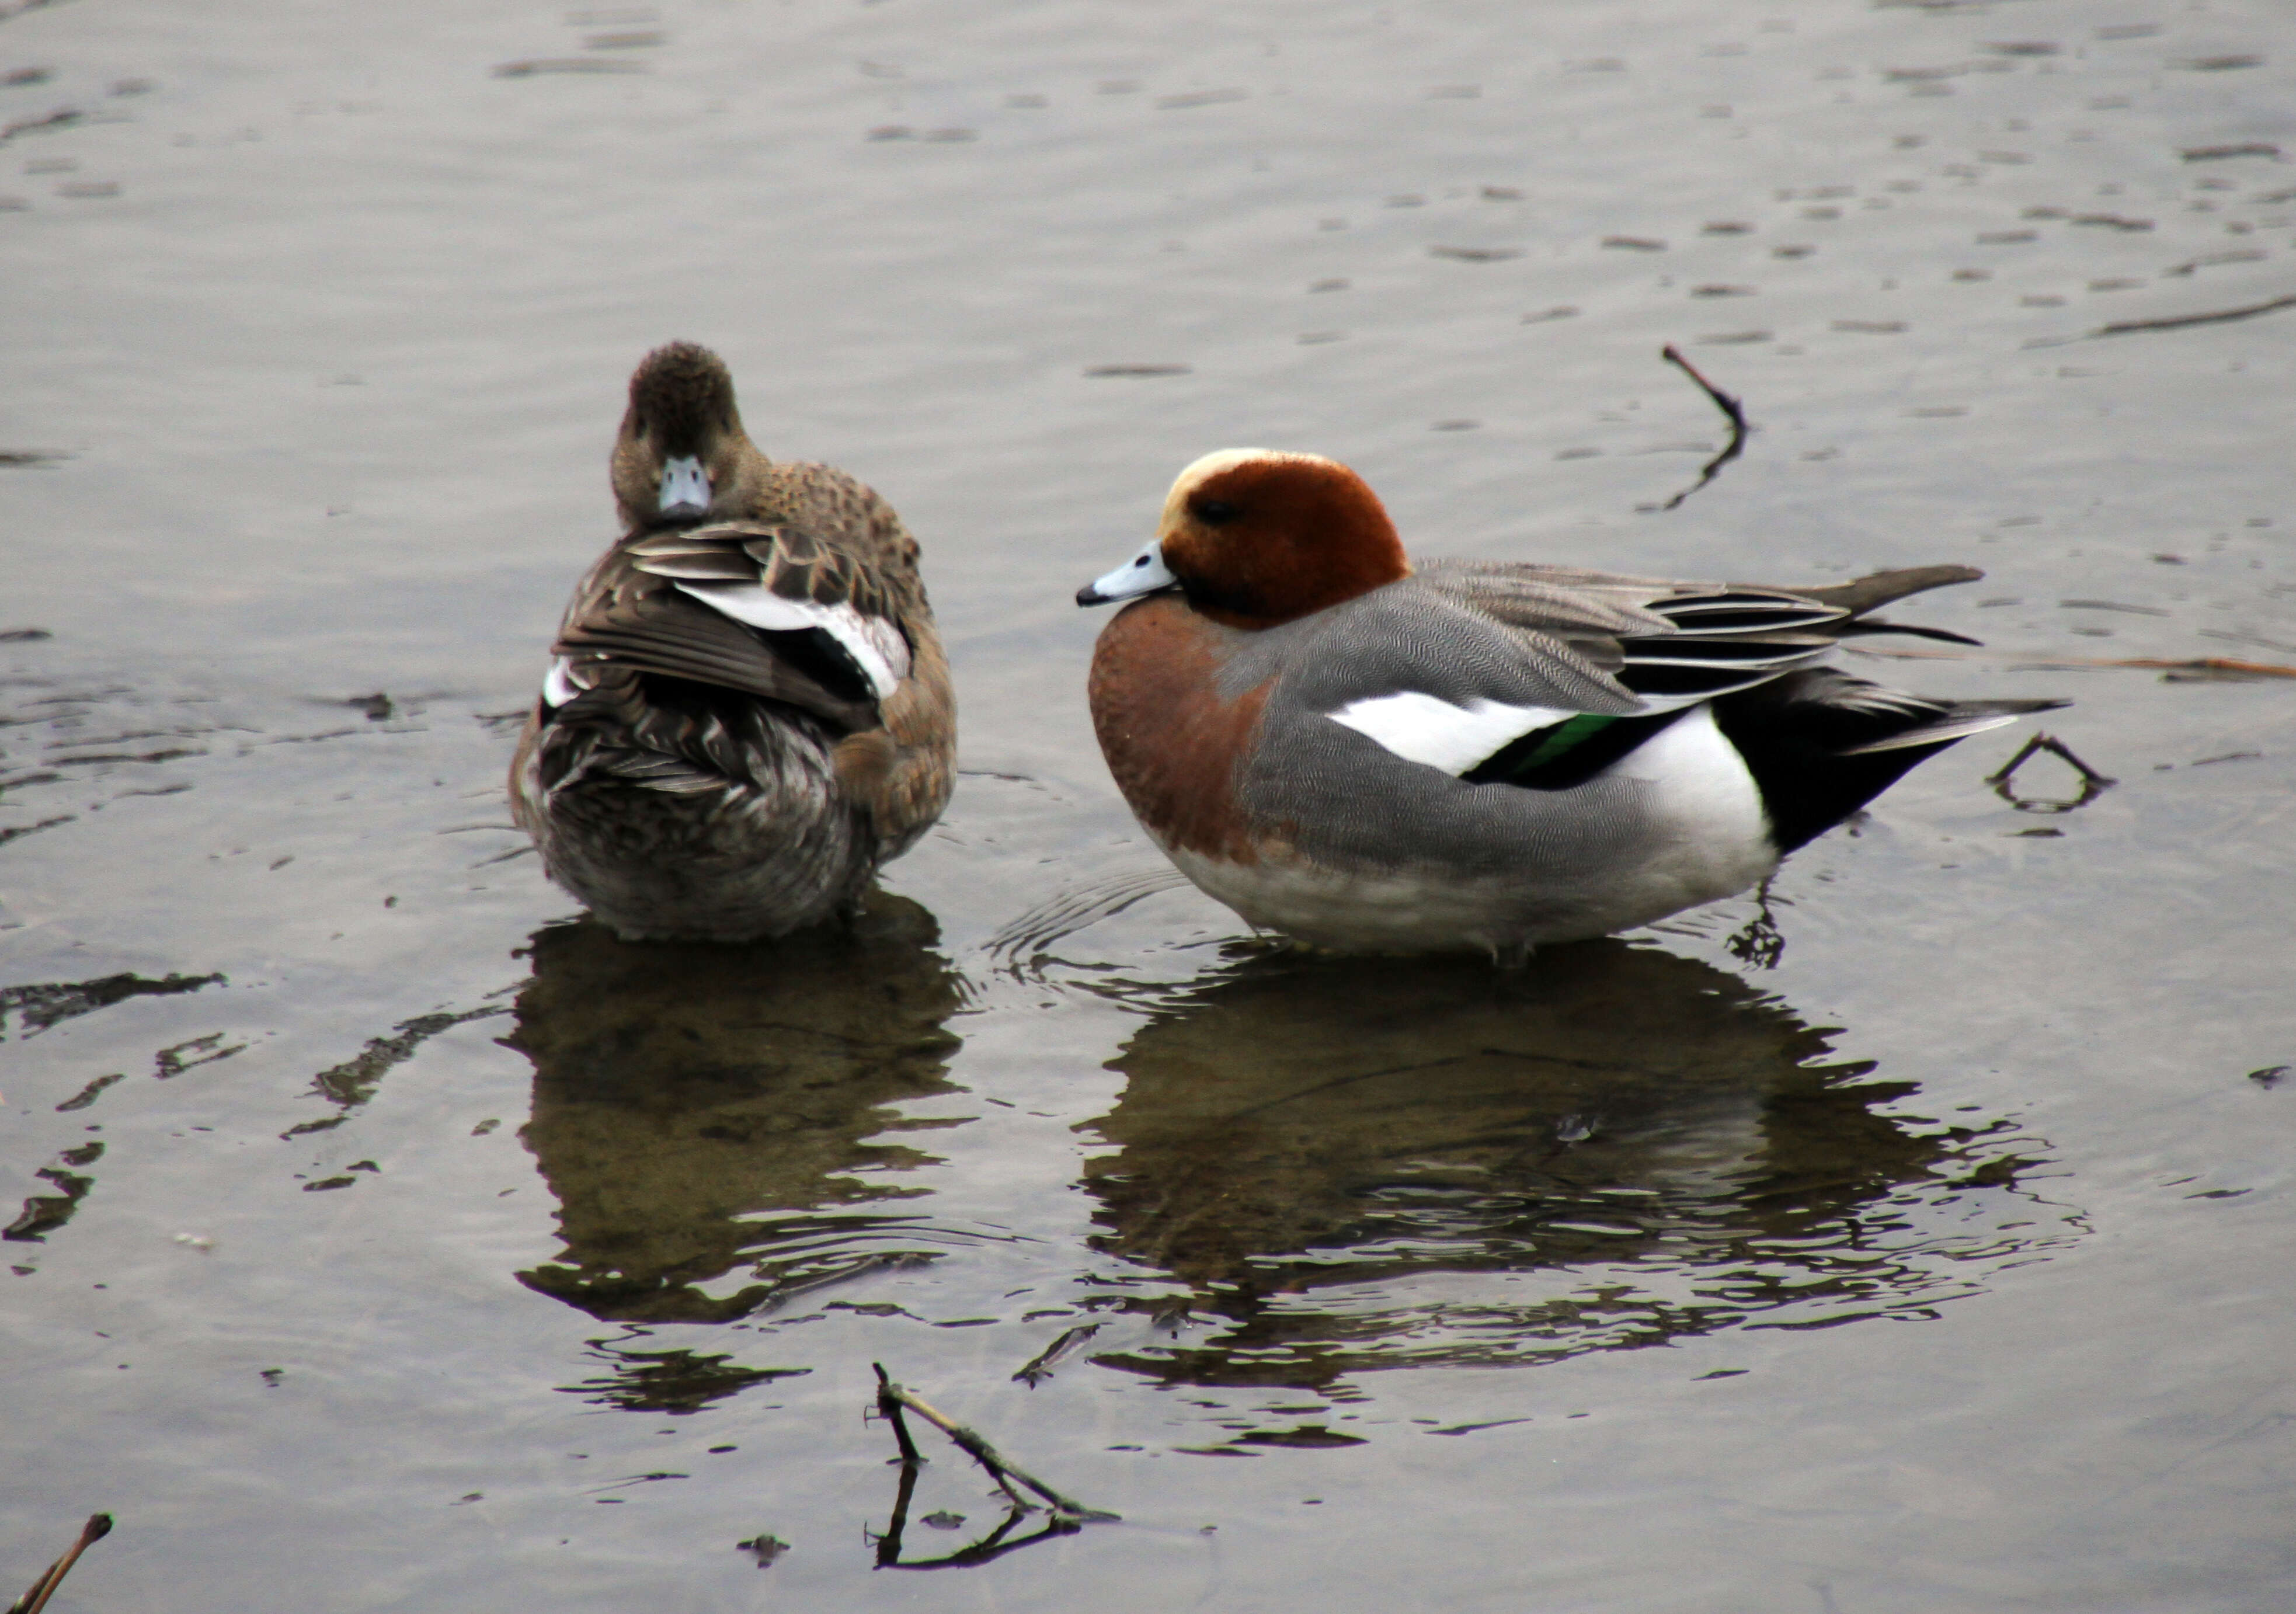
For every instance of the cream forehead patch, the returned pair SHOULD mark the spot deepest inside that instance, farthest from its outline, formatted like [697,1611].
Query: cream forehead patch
[1203,470]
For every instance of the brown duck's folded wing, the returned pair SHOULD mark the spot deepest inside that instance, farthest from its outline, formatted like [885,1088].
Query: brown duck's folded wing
[674,740]
[628,617]
[786,577]
[792,562]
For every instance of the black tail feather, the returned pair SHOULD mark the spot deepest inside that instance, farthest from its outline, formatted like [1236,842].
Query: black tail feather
[1821,744]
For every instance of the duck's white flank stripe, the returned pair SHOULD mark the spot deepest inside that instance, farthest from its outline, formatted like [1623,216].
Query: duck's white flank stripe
[1418,727]
[875,644]
[557,688]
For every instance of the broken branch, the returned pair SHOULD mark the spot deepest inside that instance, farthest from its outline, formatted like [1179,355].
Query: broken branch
[98,1525]
[892,1397]
[2130,327]
[2093,784]
[1728,404]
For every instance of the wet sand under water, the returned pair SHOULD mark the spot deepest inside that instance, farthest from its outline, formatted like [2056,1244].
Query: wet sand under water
[1911,1239]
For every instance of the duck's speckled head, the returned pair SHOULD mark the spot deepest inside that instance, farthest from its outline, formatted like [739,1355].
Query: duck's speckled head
[681,455]
[1254,536]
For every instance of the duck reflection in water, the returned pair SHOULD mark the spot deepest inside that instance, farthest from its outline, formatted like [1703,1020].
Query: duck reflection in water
[1638,1147]
[685,1093]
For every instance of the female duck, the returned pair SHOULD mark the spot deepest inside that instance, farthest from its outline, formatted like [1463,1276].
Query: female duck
[748,710]
[1475,755]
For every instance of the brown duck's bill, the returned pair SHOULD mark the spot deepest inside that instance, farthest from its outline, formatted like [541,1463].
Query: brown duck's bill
[685,489]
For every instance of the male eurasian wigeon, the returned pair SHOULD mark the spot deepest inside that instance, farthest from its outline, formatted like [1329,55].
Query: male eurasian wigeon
[748,710]
[1476,755]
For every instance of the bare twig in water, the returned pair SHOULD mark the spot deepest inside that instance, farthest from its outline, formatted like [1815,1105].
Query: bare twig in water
[2128,327]
[888,1545]
[1728,404]
[98,1525]
[2037,743]
[910,1456]
[892,1398]
[993,1544]
[2005,782]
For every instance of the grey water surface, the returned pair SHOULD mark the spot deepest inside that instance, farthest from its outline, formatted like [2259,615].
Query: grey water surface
[1914,1238]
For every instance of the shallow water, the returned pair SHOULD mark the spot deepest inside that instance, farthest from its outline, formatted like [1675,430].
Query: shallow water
[1914,1239]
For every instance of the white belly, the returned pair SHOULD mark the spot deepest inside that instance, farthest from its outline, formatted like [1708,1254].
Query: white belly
[1706,836]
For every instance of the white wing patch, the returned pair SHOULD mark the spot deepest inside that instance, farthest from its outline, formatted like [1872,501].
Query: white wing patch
[875,644]
[1418,727]
[557,688]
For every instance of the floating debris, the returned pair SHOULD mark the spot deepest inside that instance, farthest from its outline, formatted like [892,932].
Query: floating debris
[2179,322]
[2134,610]
[2210,260]
[1200,98]
[1040,1368]
[536,66]
[62,118]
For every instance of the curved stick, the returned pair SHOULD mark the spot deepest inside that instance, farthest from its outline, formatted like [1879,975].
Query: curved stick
[98,1525]
[1728,404]
[892,1398]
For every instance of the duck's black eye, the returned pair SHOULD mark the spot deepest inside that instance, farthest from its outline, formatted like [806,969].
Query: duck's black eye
[1215,512]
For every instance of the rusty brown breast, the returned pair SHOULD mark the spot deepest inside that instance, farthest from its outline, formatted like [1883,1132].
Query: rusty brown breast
[1173,742]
